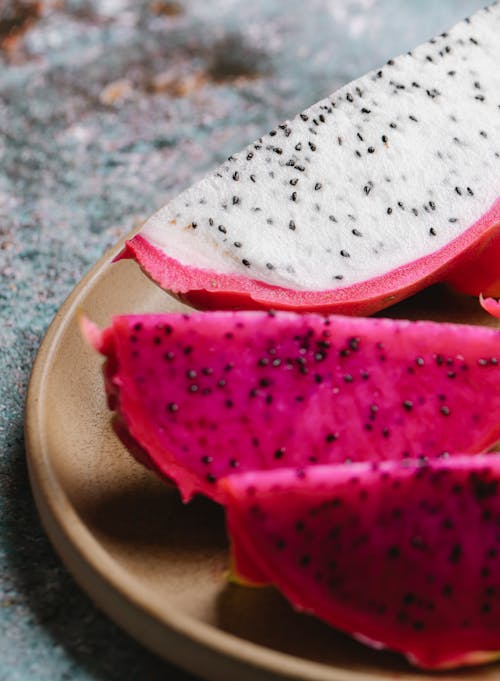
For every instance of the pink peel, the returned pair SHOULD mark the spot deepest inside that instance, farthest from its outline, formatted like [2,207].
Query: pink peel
[469,263]
[490,305]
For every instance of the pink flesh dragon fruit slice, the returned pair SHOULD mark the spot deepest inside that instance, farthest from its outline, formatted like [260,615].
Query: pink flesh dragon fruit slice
[203,395]
[400,555]
[386,186]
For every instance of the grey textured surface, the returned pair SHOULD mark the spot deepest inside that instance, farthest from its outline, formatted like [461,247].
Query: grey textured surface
[107,108]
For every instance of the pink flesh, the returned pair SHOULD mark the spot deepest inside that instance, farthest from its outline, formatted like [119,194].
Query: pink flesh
[471,263]
[290,390]
[314,535]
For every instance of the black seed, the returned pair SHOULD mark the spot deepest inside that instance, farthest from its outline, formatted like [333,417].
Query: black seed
[172,407]
[237,244]
[304,117]
[413,118]
[246,262]
[298,146]
[348,378]
[393,125]
[393,552]
[211,478]
[408,405]
[312,146]
[389,210]
[455,554]
[432,231]
[345,254]
[317,186]
[371,150]
[206,459]
[445,411]
[236,176]
[294,196]
[294,181]
[385,139]
[222,229]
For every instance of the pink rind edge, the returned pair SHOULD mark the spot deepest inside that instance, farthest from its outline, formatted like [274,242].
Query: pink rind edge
[491,305]
[210,290]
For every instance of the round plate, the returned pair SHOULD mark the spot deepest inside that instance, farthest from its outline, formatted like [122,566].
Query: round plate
[155,566]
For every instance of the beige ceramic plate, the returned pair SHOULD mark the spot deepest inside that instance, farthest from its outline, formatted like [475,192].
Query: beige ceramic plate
[153,565]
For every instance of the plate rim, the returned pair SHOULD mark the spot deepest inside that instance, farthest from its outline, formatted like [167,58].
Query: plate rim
[200,648]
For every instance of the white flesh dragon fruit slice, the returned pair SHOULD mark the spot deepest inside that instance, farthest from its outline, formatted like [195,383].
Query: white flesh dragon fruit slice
[386,186]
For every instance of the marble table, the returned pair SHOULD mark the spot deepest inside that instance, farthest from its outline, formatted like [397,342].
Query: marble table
[107,109]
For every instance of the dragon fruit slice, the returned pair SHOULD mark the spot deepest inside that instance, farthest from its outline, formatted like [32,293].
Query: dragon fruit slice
[400,555]
[386,186]
[202,395]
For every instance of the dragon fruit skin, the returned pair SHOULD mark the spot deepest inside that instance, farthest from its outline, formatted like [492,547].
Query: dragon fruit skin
[490,305]
[386,186]
[201,395]
[401,555]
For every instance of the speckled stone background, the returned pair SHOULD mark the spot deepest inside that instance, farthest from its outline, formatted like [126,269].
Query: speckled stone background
[108,108]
